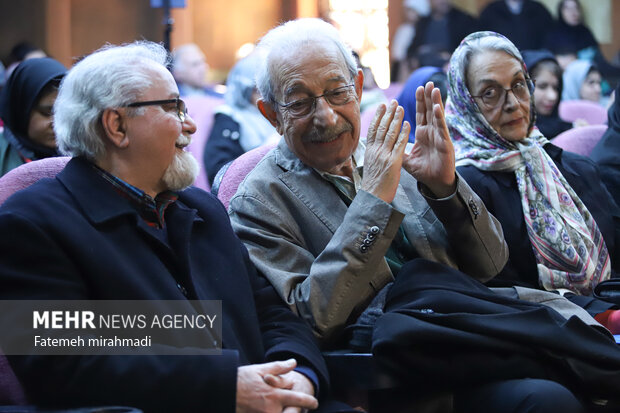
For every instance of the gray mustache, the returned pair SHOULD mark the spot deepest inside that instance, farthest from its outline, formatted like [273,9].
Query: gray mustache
[317,135]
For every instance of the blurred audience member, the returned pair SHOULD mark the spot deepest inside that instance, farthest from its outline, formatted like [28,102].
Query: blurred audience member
[571,39]
[26,105]
[547,75]
[569,35]
[20,52]
[189,68]
[524,22]
[413,10]
[582,80]
[239,126]
[372,95]
[607,152]
[440,32]
[419,78]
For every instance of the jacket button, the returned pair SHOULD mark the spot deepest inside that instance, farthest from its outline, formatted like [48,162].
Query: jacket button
[367,241]
[474,208]
[374,230]
[363,248]
[182,289]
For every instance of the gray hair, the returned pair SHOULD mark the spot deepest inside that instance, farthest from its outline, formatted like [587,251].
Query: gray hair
[111,77]
[479,42]
[291,36]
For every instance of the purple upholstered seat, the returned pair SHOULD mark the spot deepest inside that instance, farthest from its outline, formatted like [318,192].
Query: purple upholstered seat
[11,391]
[201,109]
[29,173]
[236,171]
[580,140]
[591,112]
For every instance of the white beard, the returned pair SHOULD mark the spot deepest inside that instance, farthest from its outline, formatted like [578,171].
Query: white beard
[182,172]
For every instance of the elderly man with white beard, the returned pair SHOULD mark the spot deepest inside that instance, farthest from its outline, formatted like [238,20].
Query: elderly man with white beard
[120,223]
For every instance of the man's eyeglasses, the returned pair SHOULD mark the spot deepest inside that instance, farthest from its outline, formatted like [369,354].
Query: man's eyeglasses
[303,107]
[496,95]
[181,109]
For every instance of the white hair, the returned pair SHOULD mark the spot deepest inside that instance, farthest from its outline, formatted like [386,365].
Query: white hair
[111,77]
[291,36]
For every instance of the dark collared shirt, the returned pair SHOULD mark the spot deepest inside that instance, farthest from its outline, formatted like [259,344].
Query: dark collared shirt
[150,210]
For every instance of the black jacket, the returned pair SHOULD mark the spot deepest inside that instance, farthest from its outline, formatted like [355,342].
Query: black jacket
[222,146]
[444,329]
[499,192]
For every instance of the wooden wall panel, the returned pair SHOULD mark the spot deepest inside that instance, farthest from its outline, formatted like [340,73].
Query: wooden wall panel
[220,27]
[94,23]
[22,20]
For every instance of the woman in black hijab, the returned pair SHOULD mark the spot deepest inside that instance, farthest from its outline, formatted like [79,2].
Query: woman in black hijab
[607,152]
[26,108]
[546,72]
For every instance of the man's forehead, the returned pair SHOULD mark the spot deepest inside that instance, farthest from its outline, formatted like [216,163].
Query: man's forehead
[314,62]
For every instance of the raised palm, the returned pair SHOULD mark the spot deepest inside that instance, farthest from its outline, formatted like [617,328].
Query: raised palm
[431,161]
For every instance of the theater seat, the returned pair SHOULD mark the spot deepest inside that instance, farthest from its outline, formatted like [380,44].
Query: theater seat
[229,177]
[201,110]
[29,173]
[11,391]
[591,112]
[580,140]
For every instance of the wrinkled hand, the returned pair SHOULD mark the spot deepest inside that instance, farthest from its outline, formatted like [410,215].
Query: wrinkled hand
[255,395]
[292,380]
[431,160]
[385,146]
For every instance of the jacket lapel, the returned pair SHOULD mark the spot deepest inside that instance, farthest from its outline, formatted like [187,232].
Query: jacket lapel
[323,201]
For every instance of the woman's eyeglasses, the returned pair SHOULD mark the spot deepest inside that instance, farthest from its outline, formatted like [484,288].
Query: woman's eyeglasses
[496,95]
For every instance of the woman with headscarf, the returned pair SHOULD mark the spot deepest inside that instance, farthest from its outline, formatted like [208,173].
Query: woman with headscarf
[570,38]
[238,125]
[26,105]
[561,226]
[606,153]
[407,96]
[569,35]
[582,80]
[547,74]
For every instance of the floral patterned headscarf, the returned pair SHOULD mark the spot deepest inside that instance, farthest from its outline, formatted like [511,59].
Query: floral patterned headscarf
[568,246]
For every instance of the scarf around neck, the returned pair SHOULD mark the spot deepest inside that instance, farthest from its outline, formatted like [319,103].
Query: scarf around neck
[568,246]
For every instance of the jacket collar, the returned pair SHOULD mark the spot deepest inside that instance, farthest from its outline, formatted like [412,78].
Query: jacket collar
[97,198]
[285,158]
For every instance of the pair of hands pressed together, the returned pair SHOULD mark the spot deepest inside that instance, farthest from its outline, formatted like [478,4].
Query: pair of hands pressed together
[431,161]
[274,387]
